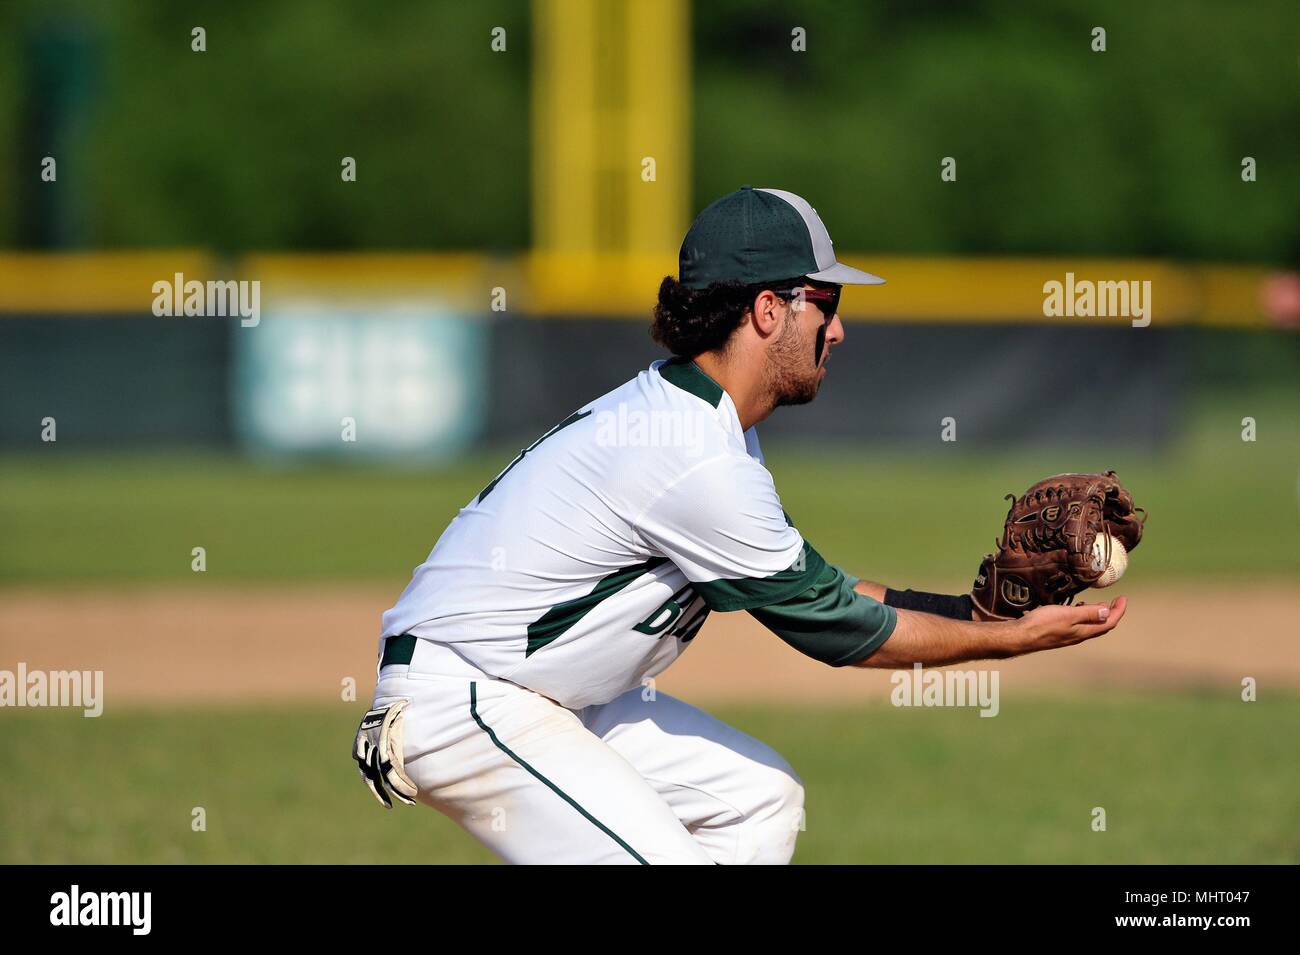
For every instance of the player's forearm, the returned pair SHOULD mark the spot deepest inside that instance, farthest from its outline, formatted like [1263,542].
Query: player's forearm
[937,641]
[871,589]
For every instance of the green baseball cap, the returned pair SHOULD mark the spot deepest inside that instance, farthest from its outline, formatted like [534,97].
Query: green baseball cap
[762,235]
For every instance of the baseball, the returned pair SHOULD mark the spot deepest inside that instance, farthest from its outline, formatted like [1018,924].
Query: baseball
[1118,560]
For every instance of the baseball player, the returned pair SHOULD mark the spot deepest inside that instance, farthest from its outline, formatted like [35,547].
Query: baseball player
[514,689]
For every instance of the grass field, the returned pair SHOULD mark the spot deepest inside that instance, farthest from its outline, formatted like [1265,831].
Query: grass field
[1182,779]
[1220,508]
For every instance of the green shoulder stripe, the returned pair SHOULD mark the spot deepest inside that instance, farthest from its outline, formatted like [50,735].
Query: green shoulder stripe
[746,593]
[557,621]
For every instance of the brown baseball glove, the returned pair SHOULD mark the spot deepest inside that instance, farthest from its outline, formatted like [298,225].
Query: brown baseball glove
[1047,555]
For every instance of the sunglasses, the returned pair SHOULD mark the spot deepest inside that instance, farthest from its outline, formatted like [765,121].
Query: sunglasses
[826,299]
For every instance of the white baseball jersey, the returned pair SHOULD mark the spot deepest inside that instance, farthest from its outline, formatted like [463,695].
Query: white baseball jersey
[592,560]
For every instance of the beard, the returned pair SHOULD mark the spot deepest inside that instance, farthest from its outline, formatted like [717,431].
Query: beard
[793,374]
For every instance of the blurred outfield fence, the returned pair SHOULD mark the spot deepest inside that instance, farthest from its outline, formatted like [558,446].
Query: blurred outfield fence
[428,354]
[575,140]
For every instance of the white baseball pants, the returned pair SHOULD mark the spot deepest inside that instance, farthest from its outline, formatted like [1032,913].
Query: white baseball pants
[632,781]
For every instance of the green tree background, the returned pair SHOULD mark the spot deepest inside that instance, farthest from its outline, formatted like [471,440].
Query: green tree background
[1134,151]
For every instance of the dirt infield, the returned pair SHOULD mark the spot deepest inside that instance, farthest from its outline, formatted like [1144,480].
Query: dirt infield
[175,646]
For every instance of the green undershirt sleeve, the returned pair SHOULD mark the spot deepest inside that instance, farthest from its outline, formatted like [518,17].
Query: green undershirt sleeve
[830,621]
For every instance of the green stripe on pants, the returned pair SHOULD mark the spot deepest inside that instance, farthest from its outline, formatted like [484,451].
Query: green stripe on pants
[473,711]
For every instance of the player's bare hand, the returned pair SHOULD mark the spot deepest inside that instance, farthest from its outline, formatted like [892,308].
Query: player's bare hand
[1050,627]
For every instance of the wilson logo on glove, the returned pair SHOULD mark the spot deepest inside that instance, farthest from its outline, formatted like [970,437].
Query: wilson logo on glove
[1015,592]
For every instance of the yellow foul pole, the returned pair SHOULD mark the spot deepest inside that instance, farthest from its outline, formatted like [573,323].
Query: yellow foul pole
[611,154]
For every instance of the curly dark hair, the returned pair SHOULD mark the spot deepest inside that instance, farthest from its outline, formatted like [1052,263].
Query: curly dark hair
[689,321]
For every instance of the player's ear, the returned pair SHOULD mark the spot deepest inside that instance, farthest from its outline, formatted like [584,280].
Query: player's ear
[768,313]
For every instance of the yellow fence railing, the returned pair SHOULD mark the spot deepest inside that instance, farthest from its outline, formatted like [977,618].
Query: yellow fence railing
[623,286]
